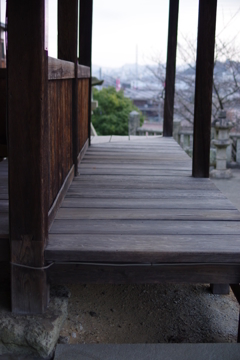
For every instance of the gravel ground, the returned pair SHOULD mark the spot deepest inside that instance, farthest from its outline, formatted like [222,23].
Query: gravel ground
[134,314]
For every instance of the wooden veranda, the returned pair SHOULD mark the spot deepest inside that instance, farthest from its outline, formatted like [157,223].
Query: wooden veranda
[138,211]
[134,214]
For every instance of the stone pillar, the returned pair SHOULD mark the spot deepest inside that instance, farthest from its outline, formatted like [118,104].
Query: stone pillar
[238,151]
[133,123]
[176,129]
[221,143]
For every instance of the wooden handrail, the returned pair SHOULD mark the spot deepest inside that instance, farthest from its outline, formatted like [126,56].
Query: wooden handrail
[61,69]
[83,72]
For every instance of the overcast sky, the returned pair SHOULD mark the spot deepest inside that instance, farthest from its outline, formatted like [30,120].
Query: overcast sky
[120,26]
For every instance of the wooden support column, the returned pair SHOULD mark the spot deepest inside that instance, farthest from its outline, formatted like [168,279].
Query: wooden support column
[28,153]
[67,50]
[85,47]
[171,68]
[203,91]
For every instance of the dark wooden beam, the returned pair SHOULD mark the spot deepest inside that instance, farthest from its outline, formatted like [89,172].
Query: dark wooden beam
[67,50]
[28,153]
[171,68]
[203,91]
[101,274]
[85,47]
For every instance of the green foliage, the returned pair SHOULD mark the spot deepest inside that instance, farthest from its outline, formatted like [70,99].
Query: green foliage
[111,116]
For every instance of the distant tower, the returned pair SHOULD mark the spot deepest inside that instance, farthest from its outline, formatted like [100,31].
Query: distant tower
[137,64]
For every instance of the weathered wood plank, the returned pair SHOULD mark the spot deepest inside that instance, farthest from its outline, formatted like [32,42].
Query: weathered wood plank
[83,72]
[60,69]
[137,157]
[143,179]
[141,184]
[152,214]
[146,227]
[108,171]
[138,203]
[141,166]
[136,213]
[143,248]
[157,163]
[88,192]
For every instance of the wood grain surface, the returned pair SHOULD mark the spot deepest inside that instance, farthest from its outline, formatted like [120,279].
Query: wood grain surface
[134,202]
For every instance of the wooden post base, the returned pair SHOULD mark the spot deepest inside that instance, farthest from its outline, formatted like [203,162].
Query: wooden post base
[220,289]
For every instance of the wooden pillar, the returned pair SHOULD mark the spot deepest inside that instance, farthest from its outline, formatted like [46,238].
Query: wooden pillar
[203,91]
[67,50]
[85,47]
[171,68]
[28,153]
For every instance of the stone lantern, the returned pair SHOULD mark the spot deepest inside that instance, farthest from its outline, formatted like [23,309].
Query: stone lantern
[133,123]
[221,142]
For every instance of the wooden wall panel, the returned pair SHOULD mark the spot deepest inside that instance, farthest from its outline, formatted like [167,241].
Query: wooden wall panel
[83,96]
[60,137]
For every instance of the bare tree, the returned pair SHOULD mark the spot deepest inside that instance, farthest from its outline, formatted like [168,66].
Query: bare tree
[226,79]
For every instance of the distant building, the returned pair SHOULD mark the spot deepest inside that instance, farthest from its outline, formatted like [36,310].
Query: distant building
[148,102]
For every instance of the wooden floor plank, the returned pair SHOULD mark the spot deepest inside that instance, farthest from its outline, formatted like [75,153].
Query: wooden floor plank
[88,192]
[146,185]
[151,214]
[141,248]
[146,227]
[135,201]
[131,171]
[138,203]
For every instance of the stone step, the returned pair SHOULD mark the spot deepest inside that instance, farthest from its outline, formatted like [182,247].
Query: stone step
[149,352]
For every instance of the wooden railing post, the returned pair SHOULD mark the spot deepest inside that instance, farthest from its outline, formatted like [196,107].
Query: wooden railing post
[171,68]
[28,153]
[67,50]
[203,91]
[85,47]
